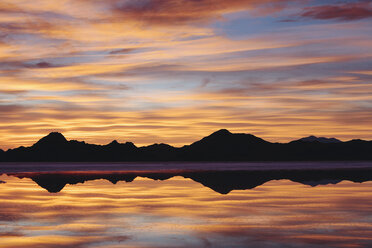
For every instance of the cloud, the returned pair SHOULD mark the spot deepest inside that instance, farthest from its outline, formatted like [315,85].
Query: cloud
[12,92]
[344,12]
[122,68]
[4,109]
[122,51]
[40,65]
[175,12]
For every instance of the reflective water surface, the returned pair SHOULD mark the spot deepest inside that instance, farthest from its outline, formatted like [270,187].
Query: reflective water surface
[181,212]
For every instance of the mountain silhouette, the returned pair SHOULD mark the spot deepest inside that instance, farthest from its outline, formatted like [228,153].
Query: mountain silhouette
[52,139]
[223,145]
[219,146]
[222,182]
[319,139]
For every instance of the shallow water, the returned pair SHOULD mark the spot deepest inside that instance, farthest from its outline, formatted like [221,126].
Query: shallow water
[160,166]
[180,212]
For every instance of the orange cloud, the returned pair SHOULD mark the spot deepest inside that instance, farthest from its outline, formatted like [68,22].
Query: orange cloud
[103,70]
[173,12]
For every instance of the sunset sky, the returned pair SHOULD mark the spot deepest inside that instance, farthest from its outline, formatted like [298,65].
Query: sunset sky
[174,71]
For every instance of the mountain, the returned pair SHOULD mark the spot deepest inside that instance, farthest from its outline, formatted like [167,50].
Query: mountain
[54,139]
[223,145]
[319,139]
[226,139]
[219,146]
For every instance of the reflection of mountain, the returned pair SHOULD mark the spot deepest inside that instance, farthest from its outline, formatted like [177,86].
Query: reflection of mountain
[220,181]
[219,146]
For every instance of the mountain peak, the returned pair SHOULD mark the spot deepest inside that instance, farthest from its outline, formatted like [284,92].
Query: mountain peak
[224,139]
[114,142]
[221,132]
[313,138]
[53,138]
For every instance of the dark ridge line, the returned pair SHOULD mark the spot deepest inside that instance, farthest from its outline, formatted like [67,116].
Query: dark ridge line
[219,146]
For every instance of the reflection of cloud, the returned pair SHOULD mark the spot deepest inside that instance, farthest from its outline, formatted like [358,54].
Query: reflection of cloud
[147,213]
[56,241]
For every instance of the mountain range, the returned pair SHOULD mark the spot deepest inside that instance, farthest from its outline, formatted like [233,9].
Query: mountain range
[219,146]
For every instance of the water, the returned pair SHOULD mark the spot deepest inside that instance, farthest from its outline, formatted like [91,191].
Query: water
[174,209]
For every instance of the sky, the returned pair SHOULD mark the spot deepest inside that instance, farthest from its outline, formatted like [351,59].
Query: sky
[174,71]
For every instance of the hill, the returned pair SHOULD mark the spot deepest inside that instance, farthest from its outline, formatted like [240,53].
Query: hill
[219,146]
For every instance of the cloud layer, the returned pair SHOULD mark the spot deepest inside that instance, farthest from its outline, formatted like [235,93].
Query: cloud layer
[174,71]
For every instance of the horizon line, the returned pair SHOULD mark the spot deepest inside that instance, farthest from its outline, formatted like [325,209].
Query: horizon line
[177,146]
